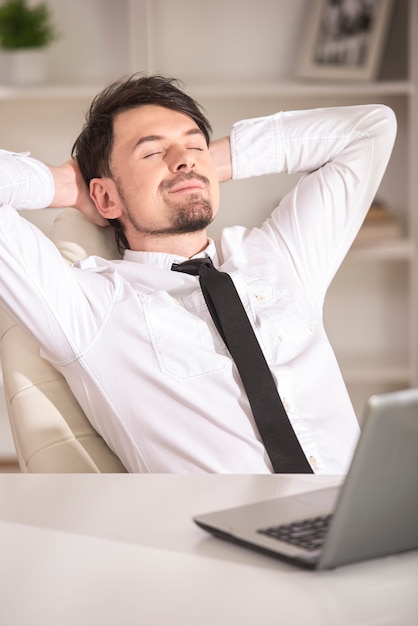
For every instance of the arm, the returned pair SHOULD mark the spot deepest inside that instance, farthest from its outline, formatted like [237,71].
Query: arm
[71,190]
[38,288]
[26,183]
[220,151]
[342,154]
[304,141]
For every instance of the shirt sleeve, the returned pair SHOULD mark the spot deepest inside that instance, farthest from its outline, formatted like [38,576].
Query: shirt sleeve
[341,154]
[303,141]
[38,288]
[25,182]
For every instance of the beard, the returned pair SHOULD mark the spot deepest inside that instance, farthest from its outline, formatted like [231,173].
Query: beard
[189,215]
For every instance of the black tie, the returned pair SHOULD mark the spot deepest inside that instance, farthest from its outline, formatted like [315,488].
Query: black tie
[231,320]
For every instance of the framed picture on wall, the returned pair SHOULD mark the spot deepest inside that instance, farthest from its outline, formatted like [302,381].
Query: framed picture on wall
[345,39]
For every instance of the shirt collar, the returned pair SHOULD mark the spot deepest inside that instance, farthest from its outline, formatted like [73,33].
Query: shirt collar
[164,260]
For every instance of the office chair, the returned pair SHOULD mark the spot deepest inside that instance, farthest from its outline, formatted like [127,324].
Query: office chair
[50,431]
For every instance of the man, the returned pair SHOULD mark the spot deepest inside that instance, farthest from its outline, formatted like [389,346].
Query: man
[133,338]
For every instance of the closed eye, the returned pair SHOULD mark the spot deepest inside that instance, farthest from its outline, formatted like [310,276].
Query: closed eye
[158,152]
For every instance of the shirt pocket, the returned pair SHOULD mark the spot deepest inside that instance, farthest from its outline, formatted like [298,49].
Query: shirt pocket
[183,335]
[284,320]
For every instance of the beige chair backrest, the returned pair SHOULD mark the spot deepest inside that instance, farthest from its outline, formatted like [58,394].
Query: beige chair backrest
[50,431]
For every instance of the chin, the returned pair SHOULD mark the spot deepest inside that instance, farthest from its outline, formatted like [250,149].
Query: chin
[194,217]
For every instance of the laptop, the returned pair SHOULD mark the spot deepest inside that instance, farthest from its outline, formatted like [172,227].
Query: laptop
[372,514]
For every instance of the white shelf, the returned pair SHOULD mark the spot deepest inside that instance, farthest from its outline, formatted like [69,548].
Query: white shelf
[401,249]
[228,90]
[373,373]
[299,89]
[48,92]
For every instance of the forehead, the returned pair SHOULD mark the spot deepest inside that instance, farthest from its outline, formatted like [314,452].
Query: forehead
[150,120]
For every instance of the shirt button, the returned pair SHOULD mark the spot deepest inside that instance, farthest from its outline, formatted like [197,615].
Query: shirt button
[260,298]
[287,405]
[313,461]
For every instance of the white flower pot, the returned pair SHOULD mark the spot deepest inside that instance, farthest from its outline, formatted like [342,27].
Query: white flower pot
[28,66]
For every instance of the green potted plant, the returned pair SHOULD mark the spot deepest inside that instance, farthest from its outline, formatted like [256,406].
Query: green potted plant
[25,32]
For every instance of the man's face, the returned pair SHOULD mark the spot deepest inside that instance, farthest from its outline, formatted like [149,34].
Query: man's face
[164,175]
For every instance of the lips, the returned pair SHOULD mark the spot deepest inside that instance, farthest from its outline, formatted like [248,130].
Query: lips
[185,182]
[187,185]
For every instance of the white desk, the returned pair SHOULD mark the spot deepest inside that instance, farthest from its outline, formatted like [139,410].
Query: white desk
[121,550]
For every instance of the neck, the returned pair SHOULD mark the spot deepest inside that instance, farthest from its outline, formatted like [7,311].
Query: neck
[186,245]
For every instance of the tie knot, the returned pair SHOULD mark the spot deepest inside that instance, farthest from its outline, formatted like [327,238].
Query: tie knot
[192,266]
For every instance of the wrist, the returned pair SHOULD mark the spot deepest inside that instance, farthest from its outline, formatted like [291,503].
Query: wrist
[220,151]
[66,185]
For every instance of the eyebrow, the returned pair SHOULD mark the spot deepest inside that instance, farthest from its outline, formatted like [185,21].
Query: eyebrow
[152,138]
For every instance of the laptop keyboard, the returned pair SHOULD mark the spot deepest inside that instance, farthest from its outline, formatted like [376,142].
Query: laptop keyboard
[308,533]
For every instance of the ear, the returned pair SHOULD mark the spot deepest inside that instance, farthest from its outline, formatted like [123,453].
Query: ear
[105,196]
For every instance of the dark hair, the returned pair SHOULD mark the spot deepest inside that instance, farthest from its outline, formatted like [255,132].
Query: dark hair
[93,146]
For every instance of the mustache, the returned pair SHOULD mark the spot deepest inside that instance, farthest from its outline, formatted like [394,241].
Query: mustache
[180,178]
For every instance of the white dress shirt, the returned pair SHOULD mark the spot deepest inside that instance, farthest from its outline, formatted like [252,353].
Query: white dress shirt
[135,340]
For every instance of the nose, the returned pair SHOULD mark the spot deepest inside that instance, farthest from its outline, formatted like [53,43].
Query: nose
[180,158]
